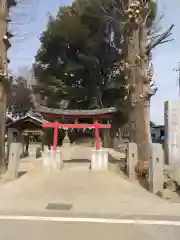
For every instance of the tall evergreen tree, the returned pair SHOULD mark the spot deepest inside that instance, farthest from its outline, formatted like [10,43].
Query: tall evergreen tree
[79,58]
[19,98]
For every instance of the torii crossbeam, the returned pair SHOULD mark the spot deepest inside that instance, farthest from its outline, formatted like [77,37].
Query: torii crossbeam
[56,125]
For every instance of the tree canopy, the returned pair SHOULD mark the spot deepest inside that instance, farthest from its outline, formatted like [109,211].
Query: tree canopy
[19,98]
[79,58]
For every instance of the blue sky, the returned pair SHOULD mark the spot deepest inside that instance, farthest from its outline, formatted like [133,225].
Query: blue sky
[165,58]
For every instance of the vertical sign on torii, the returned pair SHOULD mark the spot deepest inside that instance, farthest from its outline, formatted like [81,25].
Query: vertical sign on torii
[56,125]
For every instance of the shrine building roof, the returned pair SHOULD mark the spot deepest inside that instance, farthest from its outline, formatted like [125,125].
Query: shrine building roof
[23,120]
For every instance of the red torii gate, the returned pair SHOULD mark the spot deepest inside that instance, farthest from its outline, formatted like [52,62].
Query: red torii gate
[56,125]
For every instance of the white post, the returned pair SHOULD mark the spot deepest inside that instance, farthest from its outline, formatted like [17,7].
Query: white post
[14,159]
[52,160]
[55,160]
[132,160]
[99,160]
[156,166]
[46,158]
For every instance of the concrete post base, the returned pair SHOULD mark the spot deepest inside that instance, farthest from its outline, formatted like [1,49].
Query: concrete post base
[132,160]
[13,161]
[99,160]
[156,167]
[46,158]
[38,152]
[52,159]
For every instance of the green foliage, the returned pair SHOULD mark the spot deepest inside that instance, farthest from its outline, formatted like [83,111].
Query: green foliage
[79,58]
[152,12]
[19,98]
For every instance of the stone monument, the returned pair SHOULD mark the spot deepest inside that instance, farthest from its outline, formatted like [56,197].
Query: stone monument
[172,132]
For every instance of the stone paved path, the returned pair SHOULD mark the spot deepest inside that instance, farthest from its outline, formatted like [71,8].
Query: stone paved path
[90,193]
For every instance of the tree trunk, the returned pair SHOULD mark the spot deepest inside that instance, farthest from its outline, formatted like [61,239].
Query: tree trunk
[2,129]
[113,134]
[26,140]
[3,73]
[144,66]
[139,111]
[106,138]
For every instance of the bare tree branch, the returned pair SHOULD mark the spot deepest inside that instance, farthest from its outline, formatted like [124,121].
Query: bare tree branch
[110,19]
[22,15]
[161,39]
[168,40]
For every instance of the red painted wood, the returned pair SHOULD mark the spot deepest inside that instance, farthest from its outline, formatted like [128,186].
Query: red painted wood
[76,121]
[76,125]
[97,138]
[56,125]
[55,139]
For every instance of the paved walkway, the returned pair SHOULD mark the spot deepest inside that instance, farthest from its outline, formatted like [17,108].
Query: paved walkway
[89,193]
[43,230]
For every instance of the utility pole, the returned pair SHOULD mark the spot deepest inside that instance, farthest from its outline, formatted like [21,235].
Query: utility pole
[4,46]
